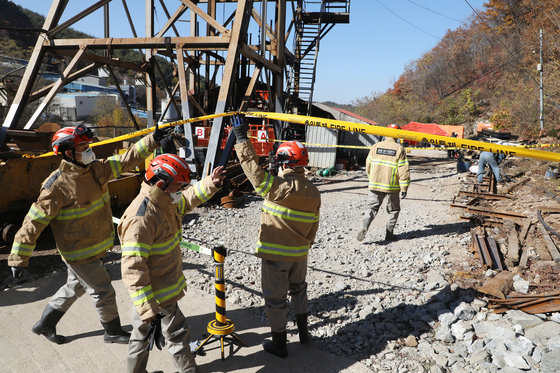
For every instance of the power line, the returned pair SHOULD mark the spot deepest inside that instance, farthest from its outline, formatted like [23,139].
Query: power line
[404,20]
[435,12]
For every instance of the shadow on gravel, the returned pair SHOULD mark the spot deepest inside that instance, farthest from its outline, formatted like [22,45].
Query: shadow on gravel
[368,336]
[355,341]
[435,230]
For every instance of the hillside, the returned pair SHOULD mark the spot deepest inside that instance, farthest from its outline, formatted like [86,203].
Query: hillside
[485,70]
[19,43]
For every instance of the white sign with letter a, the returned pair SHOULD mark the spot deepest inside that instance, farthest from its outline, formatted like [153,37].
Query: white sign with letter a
[262,136]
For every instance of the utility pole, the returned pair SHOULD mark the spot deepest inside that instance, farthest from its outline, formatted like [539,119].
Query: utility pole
[540,70]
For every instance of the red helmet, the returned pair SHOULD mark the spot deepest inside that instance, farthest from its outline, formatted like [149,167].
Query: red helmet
[394,126]
[170,168]
[70,137]
[292,153]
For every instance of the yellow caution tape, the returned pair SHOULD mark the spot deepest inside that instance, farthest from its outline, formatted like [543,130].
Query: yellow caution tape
[438,141]
[145,131]
[410,135]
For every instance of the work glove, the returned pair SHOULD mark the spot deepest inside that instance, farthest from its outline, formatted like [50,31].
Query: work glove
[239,128]
[155,334]
[162,133]
[403,195]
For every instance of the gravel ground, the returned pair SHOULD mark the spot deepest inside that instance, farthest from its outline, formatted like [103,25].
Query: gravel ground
[372,301]
[396,307]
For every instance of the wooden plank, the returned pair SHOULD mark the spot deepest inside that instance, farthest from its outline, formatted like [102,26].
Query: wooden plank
[484,195]
[552,249]
[525,230]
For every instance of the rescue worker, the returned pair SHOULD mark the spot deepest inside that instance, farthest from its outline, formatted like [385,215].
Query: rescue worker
[75,201]
[150,232]
[387,170]
[493,160]
[289,223]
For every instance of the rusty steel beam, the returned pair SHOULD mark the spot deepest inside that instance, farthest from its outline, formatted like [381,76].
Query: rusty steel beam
[484,249]
[480,211]
[476,245]
[554,253]
[495,253]
[484,195]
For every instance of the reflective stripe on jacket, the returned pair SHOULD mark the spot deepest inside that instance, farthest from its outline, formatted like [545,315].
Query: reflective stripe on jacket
[150,232]
[387,167]
[75,201]
[290,212]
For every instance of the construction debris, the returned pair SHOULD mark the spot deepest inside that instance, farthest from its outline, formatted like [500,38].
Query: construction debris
[527,303]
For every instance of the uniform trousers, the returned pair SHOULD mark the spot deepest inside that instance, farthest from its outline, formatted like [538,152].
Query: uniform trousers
[93,279]
[279,278]
[177,340]
[393,208]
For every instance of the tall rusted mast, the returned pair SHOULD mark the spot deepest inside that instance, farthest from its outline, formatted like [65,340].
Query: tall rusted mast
[195,56]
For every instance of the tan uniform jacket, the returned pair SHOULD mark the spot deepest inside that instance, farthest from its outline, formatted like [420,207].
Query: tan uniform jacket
[387,167]
[75,201]
[150,233]
[290,212]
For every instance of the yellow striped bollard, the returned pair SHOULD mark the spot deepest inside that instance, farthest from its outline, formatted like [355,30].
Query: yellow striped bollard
[221,328]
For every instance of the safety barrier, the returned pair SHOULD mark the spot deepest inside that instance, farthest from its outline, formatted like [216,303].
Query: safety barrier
[221,328]
[410,135]
[436,140]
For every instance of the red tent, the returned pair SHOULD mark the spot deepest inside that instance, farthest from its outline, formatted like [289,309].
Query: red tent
[430,128]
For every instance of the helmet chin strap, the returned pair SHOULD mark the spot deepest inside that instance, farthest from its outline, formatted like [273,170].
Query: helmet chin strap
[162,184]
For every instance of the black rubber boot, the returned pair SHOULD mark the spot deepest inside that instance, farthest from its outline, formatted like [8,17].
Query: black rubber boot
[277,346]
[47,325]
[114,333]
[304,335]
[389,236]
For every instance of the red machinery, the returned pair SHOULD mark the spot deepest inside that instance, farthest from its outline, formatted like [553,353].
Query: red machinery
[261,135]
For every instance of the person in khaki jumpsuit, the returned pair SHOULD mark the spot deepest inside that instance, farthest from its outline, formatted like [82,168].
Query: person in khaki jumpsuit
[75,201]
[150,231]
[387,170]
[289,223]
